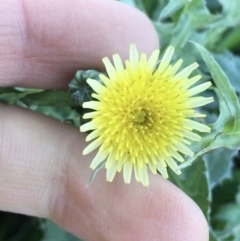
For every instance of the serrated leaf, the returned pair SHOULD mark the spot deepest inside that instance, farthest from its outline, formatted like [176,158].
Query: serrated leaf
[226,90]
[226,130]
[230,64]
[223,117]
[227,140]
[219,166]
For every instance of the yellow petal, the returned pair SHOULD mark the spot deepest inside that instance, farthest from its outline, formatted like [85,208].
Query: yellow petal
[118,63]
[110,69]
[153,58]
[166,59]
[143,175]
[173,165]
[162,169]
[96,86]
[197,126]
[184,149]
[94,134]
[199,101]
[91,105]
[127,171]
[111,171]
[199,88]
[88,126]
[100,157]
[186,71]
[92,146]
[134,57]
[90,115]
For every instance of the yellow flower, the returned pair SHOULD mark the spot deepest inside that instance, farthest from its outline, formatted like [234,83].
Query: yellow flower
[141,115]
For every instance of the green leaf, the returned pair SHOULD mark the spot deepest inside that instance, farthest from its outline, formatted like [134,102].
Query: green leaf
[223,116]
[230,64]
[194,16]
[229,19]
[229,214]
[12,97]
[219,166]
[231,10]
[193,181]
[49,98]
[226,131]
[164,33]
[228,140]
[55,233]
[212,236]
[63,113]
[230,40]
[172,7]
[79,88]
[150,6]
[226,90]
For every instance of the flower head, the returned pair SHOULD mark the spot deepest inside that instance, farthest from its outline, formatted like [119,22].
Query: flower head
[141,115]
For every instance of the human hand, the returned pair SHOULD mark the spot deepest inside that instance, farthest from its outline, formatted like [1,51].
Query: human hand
[43,172]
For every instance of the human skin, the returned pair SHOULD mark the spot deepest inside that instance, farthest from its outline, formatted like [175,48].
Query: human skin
[42,170]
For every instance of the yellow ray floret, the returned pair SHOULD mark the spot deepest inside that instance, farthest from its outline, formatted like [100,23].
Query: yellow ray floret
[140,118]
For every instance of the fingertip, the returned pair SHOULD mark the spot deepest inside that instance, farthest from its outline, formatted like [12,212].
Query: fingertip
[61,36]
[129,25]
[184,220]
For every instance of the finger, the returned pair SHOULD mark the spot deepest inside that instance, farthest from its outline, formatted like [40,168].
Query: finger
[43,43]
[43,173]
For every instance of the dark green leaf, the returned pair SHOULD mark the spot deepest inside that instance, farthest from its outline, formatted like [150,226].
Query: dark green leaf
[212,236]
[230,40]
[64,114]
[12,97]
[193,181]
[229,214]
[79,88]
[49,98]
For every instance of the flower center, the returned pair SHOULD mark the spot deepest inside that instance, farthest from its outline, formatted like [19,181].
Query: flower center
[139,116]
